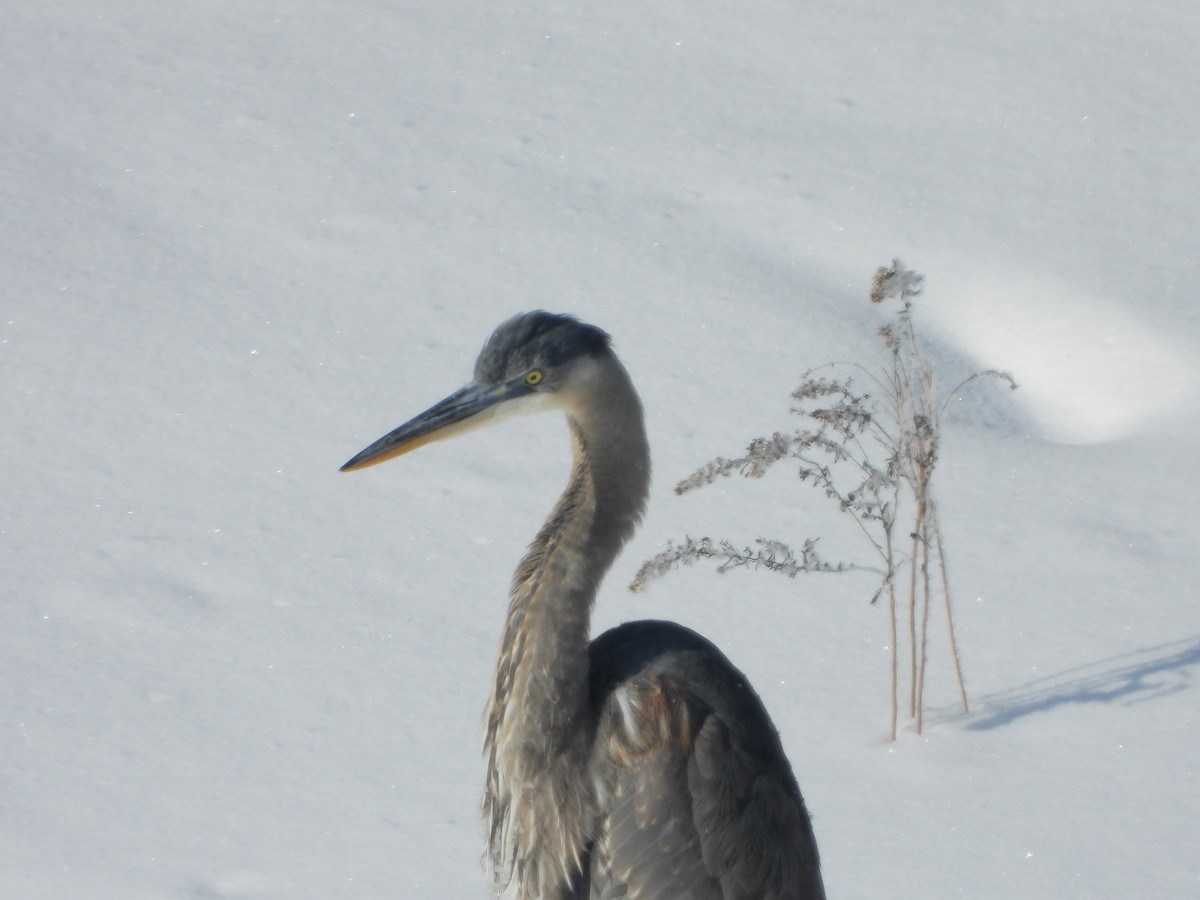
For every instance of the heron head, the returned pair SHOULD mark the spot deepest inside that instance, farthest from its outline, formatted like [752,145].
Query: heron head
[532,362]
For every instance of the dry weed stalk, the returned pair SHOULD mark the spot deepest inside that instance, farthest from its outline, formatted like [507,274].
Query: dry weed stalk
[871,454]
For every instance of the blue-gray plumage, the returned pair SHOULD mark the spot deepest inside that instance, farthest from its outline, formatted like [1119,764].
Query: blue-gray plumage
[641,765]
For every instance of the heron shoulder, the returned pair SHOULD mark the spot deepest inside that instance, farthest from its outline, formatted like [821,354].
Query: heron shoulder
[654,675]
[695,795]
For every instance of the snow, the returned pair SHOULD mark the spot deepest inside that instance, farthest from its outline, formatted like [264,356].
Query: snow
[241,241]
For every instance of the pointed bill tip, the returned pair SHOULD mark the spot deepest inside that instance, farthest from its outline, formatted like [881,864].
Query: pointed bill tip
[389,447]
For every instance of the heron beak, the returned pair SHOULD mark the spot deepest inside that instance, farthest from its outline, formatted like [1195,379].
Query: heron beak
[459,413]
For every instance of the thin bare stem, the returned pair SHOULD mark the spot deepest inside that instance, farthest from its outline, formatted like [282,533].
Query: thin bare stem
[924,627]
[962,686]
[891,585]
[987,373]
[912,615]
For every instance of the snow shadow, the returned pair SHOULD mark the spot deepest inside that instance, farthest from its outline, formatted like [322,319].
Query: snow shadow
[1137,677]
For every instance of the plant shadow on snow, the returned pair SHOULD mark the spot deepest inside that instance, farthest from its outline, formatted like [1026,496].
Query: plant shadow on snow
[1131,678]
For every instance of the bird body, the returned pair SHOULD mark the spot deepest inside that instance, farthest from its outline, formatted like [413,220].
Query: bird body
[641,764]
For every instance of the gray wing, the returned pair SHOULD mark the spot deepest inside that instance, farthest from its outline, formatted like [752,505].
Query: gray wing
[697,799]
[647,846]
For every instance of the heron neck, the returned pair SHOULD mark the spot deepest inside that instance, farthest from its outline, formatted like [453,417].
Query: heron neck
[540,716]
[555,586]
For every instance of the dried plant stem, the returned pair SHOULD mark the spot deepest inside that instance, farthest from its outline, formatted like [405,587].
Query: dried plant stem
[912,613]
[891,586]
[962,686]
[924,626]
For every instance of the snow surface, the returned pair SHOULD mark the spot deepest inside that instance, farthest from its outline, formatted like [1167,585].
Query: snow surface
[240,241]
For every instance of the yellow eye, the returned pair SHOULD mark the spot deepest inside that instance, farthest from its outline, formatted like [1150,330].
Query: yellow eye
[533,377]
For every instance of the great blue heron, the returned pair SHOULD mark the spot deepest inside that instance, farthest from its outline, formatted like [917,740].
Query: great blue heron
[641,765]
